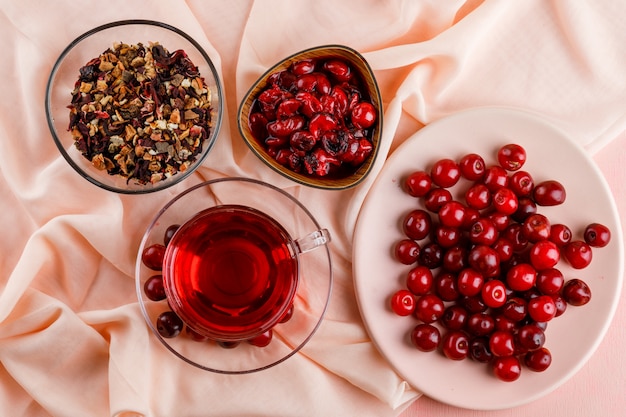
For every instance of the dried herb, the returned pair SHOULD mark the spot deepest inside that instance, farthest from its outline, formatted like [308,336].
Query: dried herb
[140,112]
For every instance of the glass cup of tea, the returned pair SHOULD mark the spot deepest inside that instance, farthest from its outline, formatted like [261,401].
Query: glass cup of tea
[231,271]
[236,259]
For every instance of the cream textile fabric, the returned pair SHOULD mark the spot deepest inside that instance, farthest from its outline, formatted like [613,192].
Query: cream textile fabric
[72,339]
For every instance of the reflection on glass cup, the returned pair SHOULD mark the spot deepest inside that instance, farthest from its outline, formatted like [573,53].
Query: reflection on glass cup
[231,272]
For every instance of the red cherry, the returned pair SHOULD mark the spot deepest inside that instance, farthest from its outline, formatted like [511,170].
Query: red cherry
[418,183]
[472,167]
[495,177]
[560,234]
[305,66]
[420,280]
[429,308]
[455,345]
[417,224]
[536,227]
[500,220]
[497,257]
[502,343]
[425,337]
[364,115]
[469,282]
[323,86]
[169,233]
[454,317]
[407,251]
[550,281]
[446,236]
[576,292]
[153,288]
[431,255]
[403,303]
[474,304]
[287,315]
[285,127]
[169,325]
[263,339]
[306,82]
[542,308]
[258,125]
[485,260]
[521,277]
[530,337]
[310,104]
[503,248]
[451,214]
[470,215]
[480,324]
[538,360]
[455,258]
[597,235]
[544,254]
[153,256]
[445,173]
[504,323]
[494,293]
[561,305]
[515,309]
[445,287]
[507,369]
[479,350]
[505,201]
[478,196]
[578,254]
[522,183]
[288,108]
[514,233]
[525,208]
[512,156]
[549,193]
[483,232]
[339,69]
[436,198]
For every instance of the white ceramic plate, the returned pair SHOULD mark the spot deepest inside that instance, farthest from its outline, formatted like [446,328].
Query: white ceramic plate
[572,338]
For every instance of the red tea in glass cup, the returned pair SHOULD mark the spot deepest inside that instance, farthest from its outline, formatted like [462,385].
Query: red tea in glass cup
[231,272]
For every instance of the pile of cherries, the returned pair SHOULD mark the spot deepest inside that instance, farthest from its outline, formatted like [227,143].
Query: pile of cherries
[484,281]
[315,118]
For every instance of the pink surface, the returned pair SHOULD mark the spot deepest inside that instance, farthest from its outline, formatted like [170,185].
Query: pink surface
[72,337]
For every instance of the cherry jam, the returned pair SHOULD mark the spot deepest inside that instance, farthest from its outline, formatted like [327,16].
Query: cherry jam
[230,272]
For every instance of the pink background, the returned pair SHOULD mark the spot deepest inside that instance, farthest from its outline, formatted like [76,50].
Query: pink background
[72,339]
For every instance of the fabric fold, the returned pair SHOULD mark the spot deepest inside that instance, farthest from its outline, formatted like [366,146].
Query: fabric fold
[73,340]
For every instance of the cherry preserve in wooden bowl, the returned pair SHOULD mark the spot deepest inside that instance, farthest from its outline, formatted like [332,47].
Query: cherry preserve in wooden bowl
[315,117]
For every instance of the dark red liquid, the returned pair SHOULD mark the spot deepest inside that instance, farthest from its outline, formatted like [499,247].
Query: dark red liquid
[230,272]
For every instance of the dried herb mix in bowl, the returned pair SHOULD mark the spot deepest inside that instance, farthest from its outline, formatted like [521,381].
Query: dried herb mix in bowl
[140,112]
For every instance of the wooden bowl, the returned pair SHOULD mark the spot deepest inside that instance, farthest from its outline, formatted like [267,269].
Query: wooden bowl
[358,63]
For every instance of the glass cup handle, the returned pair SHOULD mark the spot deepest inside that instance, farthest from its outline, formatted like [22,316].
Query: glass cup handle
[313,240]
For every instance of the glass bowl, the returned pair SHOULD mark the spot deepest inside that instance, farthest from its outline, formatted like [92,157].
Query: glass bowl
[148,111]
[361,76]
[310,300]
